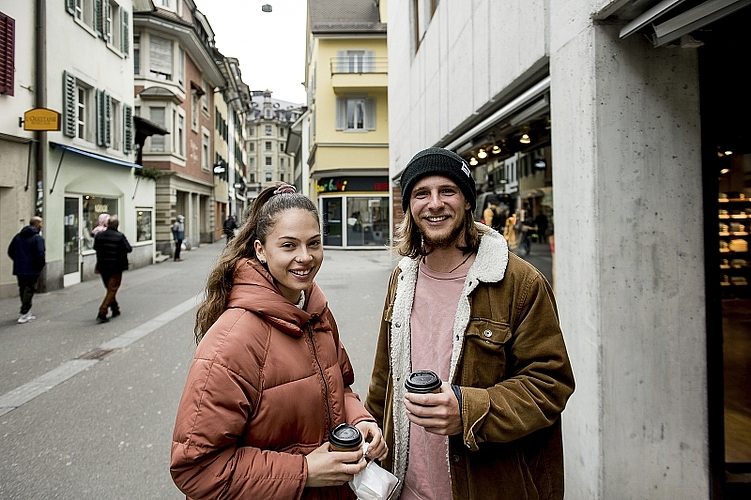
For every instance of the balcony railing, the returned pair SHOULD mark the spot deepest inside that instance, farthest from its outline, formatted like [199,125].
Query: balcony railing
[359,65]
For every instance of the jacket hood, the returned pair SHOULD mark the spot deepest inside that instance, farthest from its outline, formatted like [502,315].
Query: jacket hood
[28,232]
[253,289]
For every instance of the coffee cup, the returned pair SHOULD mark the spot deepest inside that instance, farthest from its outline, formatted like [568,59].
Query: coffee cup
[423,382]
[345,437]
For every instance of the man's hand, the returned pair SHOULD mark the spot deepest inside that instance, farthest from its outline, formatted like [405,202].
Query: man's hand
[377,449]
[437,413]
[332,468]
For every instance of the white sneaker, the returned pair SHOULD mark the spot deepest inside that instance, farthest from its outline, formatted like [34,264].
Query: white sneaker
[26,318]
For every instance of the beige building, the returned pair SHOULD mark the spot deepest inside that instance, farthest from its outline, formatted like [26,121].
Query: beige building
[347,127]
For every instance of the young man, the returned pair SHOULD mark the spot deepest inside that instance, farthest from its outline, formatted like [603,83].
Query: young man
[112,249]
[460,304]
[27,251]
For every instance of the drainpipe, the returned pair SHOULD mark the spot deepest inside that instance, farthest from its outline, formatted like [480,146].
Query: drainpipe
[40,101]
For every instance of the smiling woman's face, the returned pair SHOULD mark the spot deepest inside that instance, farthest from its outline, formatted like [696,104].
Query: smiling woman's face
[293,252]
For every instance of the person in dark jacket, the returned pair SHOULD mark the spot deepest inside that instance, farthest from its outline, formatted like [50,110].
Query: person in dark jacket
[178,233]
[229,227]
[28,255]
[112,249]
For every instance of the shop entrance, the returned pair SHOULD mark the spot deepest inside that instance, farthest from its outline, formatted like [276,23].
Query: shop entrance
[72,241]
[726,151]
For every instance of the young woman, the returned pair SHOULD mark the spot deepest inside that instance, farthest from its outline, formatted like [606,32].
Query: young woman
[270,377]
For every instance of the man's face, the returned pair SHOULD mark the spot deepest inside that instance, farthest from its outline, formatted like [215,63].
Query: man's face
[438,208]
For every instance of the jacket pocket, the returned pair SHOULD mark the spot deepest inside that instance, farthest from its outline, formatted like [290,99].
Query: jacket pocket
[484,358]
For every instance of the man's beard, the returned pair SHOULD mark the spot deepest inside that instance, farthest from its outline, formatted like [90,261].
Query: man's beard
[451,239]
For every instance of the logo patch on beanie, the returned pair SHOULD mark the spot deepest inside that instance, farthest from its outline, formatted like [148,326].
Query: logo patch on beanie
[465,168]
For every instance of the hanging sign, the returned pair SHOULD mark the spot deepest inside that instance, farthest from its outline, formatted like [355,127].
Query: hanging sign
[41,119]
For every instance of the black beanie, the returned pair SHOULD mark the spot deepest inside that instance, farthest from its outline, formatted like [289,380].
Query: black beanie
[438,161]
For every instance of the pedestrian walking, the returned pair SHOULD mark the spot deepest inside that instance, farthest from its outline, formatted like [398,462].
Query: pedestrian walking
[270,378]
[27,251]
[178,233]
[112,249]
[541,221]
[484,322]
[523,227]
[230,225]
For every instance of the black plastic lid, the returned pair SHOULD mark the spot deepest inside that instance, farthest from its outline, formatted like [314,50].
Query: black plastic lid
[345,436]
[422,381]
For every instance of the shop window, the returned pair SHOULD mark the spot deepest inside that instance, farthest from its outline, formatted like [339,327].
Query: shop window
[143,225]
[367,221]
[93,206]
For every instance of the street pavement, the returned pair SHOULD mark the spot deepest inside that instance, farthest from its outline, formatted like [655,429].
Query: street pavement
[87,409]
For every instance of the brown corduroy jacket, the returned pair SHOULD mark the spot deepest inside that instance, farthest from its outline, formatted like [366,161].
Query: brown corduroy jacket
[510,362]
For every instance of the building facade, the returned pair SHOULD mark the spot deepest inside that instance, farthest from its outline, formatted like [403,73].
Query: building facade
[647,130]
[269,123]
[348,135]
[175,78]
[87,166]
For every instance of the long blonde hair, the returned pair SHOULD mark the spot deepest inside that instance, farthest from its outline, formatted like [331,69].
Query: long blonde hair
[266,209]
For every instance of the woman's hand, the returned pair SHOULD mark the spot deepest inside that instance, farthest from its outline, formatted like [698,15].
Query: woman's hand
[377,448]
[332,468]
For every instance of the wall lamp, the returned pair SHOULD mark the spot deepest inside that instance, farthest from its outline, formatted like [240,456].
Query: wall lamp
[524,139]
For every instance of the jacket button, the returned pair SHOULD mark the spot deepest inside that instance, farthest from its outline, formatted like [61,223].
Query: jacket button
[487,333]
[398,325]
[455,458]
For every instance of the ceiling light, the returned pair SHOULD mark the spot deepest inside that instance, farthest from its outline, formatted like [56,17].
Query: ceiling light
[496,149]
[482,154]
[728,153]
[524,139]
[473,161]
[724,171]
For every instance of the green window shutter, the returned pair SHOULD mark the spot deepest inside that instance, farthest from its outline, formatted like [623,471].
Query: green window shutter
[70,6]
[341,113]
[370,113]
[69,104]
[98,11]
[106,30]
[99,117]
[128,128]
[125,33]
[107,116]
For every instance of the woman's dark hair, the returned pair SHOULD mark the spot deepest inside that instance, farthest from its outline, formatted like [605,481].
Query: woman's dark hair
[263,215]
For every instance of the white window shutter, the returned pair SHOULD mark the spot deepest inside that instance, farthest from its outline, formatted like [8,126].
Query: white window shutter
[160,54]
[370,113]
[341,113]
[69,104]
[124,33]
[70,5]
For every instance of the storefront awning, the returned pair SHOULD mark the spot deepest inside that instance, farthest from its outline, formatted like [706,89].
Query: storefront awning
[88,154]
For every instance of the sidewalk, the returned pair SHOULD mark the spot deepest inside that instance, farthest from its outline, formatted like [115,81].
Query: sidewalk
[540,257]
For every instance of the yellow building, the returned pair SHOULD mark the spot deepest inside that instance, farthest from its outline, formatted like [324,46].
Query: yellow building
[347,85]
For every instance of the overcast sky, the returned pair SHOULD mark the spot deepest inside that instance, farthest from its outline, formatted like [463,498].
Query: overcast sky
[269,46]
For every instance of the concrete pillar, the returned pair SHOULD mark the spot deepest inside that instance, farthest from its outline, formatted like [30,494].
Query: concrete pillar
[629,277]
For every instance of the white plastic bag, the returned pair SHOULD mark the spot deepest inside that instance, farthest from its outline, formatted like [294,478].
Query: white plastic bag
[373,482]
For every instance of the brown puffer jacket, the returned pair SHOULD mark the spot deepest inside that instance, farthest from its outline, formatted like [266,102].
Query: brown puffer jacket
[267,383]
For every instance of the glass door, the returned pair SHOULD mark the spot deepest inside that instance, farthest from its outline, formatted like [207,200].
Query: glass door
[331,208]
[72,241]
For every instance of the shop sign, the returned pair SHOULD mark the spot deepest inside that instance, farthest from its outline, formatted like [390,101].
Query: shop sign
[41,119]
[342,184]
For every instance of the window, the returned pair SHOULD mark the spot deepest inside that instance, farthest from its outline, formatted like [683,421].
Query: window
[355,61]
[268,161]
[281,147]
[268,129]
[251,130]
[268,176]
[137,53]
[252,162]
[281,132]
[267,113]
[281,162]
[281,177]
[156,115]
[143,225]
[7,54]
[205,146]
[81,103]
[160,57]
[180,65]
[251,146]
[194,111]
[84,12]
[423,10]
[110,11]
[93,206]
[355,113]
[204,98]
[180,135]
[268,145]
